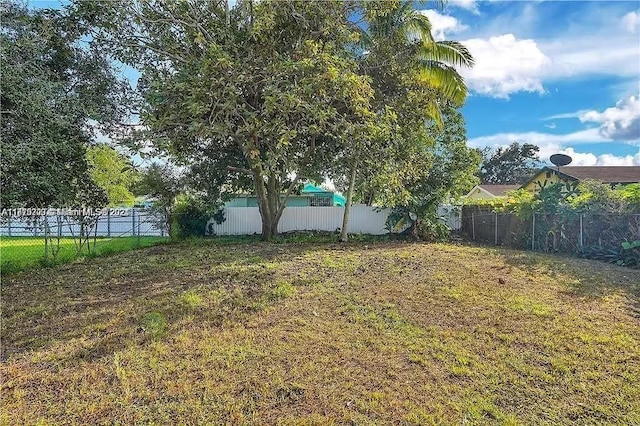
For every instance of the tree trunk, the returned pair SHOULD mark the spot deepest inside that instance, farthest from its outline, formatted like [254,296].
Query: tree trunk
[269,204]
[347,206]
[264,206]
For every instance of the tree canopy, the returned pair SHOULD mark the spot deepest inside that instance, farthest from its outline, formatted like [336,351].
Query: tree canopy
[412,76]
[266,89]
[253,97]
[55,91]
[113,172]
[513,165]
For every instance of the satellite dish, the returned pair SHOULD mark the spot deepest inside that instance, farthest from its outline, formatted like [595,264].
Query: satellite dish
[560,160]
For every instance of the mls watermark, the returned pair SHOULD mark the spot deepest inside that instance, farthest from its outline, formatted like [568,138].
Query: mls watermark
[63,211]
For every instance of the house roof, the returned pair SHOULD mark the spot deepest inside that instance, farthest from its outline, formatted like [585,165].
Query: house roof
[607,174]
[309,187]
[498,190]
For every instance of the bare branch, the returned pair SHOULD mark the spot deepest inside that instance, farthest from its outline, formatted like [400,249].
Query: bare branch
[239,169]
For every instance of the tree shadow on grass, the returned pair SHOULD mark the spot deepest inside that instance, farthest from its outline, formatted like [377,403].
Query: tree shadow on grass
[85,311]
[582,277]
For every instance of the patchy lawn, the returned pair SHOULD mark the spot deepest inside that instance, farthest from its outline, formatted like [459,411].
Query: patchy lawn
[322,334]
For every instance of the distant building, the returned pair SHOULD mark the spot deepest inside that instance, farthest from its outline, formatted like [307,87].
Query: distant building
[310,195]
[490,192]
[571,176]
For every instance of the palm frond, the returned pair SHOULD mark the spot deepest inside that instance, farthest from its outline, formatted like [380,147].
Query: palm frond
[452,53]
[418,27]
[444,78]
[433,111]
[366,41]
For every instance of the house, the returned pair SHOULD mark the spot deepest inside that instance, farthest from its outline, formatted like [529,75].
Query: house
[572,175]
[489,192]
[310,195]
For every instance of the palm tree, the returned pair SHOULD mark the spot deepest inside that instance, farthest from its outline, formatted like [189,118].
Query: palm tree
[407,33]
[394,35]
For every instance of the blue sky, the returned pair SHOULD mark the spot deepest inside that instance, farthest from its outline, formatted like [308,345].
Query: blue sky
[564,75]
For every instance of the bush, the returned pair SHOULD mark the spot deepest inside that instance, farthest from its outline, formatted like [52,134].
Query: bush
[191,216]
[431,229]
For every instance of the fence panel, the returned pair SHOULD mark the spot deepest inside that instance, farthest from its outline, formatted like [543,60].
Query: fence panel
[128,222]
[246,220]
[577,233]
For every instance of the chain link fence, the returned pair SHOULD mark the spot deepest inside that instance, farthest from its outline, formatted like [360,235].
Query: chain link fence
[38,238]
[595,235]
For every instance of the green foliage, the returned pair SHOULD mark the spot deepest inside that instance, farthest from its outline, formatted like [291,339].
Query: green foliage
[630,194]
[597,197]
[512,165]
[113,172]
[191,216]
[449,174]
[589,196]
[628,254]
[416,86]
[163,182]
[431,229]
[264,91]
[55,91]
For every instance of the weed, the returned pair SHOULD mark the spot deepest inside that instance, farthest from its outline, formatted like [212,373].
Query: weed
[154,324]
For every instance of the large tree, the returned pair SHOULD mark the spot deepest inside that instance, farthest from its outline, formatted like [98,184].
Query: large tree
[55,90]
[451,173]
[413,75]
[512,165]
[266,89]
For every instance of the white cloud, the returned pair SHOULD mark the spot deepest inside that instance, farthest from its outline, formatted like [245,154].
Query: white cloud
[631,21]
[566,115]
[505,65]
[442,25]
[613,55]
[547,141]
[621,122]
[590,159]
[510,59]
[550,144]
[470,5]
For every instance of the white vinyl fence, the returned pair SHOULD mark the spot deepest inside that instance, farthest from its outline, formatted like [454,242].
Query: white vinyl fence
[239,221]
[124,223]
[246,220]
[362,220]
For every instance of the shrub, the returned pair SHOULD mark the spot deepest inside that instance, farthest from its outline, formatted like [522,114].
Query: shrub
[191,216]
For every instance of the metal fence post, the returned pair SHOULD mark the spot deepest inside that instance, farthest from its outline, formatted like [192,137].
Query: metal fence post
[496,229]
[533,232]
[473,226]
[9,225]
[109,223]
[581,237]
[133,222]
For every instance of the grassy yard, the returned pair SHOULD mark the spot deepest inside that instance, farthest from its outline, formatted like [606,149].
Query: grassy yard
[253,333]
[19,253]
